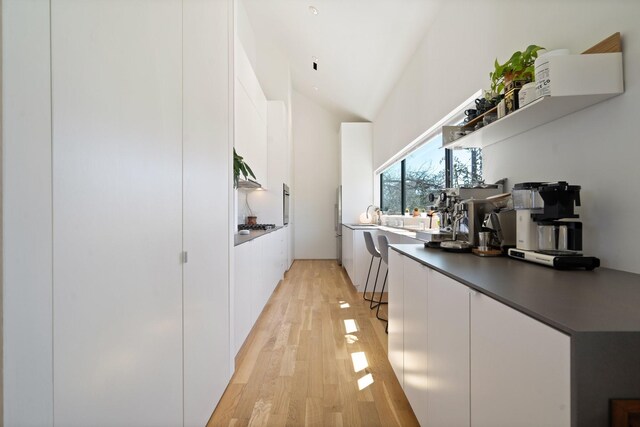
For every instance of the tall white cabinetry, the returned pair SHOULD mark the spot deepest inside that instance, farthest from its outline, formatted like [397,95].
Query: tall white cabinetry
[27,221]
[138,152]
[465,359]
[356,154]
[250,117]
[117,181]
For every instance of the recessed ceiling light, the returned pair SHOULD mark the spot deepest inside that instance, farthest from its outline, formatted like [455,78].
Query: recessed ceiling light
[316,89]
[313,10]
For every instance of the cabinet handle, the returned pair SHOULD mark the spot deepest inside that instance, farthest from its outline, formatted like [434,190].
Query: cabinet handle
[185,257]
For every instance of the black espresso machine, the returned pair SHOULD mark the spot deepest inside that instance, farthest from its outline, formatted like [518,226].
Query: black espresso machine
[548,231]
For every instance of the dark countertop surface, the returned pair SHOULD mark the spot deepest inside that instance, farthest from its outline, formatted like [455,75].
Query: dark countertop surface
[254,234]
[602,300]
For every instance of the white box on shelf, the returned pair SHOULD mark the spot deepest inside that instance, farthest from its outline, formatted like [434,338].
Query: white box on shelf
[588,74]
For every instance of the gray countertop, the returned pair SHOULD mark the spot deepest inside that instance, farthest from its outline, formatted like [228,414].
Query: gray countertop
[400,231]
[254,234]
[602,300]
[361,226]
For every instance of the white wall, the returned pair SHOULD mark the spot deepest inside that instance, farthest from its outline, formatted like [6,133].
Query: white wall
[316,176]
[594,148]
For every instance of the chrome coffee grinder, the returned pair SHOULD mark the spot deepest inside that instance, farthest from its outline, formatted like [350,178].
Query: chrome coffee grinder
[547,229]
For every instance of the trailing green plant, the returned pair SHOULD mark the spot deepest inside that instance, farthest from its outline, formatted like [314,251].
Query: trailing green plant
[240,167]
[519,67]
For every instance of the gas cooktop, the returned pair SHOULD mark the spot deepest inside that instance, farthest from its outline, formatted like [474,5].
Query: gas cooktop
[256,226]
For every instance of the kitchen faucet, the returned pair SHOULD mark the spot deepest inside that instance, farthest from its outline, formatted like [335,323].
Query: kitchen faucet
[375,215]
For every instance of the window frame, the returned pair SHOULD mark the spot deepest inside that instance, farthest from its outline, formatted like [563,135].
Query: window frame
[448,176]
[454,117]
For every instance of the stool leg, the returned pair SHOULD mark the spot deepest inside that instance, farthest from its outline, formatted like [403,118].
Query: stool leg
[364,294]
[375,284]
[380,299]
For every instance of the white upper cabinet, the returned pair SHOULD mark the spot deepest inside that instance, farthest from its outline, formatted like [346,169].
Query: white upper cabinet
[251,140]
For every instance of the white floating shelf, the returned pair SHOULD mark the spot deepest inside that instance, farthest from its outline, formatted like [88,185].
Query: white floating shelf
[607,81]
[537,113]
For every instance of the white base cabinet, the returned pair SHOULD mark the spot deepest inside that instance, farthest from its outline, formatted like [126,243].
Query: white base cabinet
[396,315]
[465,359]
[259,265]
[447,330]
[347,251]
[520,368]
[415,337]
[356,259]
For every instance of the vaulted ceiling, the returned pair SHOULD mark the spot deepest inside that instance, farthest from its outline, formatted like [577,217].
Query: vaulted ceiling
[361,46]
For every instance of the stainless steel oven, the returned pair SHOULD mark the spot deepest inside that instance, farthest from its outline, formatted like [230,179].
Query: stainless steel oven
[285,204]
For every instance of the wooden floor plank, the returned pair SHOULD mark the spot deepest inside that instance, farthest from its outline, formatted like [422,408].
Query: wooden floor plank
[296,368]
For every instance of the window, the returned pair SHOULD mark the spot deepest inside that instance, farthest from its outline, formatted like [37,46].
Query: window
[391,189]
[467,167]
[427,170]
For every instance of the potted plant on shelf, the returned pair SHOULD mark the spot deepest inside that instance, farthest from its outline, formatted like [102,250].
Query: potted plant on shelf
[519,68]
[511,76]
[240,167]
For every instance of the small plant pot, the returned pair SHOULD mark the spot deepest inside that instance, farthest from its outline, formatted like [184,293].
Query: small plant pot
[252,220]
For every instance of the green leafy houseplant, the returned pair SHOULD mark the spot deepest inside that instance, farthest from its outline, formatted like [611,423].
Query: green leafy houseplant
[519,67]
[240,167]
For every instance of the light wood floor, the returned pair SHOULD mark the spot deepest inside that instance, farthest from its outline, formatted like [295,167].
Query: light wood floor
[297,366]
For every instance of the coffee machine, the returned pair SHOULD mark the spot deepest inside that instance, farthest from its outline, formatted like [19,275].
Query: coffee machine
[452,210]
[547,230]
[494,215]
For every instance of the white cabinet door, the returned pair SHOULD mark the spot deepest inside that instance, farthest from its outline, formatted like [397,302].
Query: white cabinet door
[448,349]
[263,274]
[396,314]
[520,369]
[206,175]
[117,185]
[415,337]
[347,252]
[250,134]
[250,116]
[362,261]
[27,238]
[244,255]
